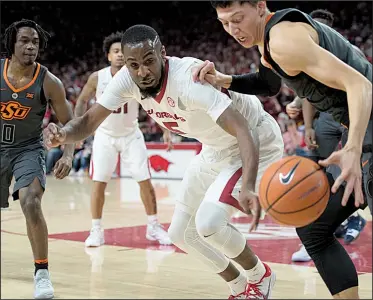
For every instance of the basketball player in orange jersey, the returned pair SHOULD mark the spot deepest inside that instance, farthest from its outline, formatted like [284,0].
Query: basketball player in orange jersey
[321,65]
[240,140]
[26,88]
[119,133]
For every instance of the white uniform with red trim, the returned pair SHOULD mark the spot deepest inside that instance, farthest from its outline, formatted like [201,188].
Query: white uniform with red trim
[191,110]
[119,133]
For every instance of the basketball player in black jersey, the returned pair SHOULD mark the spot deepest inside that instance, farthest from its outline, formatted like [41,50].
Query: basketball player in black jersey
[322,137]
[26,89]
[321,65]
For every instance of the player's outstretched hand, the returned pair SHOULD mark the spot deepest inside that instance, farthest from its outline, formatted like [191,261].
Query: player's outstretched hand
[167,139]
[310,138]
[349,162]
[249,201]
[63,167]
[53,135]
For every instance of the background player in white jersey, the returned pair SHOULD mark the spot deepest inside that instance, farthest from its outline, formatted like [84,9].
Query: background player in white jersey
[119,133]
[240,140]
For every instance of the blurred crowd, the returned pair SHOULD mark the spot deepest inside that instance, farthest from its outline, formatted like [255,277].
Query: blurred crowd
[186,29]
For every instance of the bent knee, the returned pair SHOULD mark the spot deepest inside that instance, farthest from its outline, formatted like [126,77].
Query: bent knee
[315,242]
[210,219]
[31,201]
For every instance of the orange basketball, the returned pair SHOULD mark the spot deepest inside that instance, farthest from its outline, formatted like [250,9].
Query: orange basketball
[294,191]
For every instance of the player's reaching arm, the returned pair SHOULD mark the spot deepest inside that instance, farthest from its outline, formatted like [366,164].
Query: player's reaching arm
[263,83]
[220,108]
[294,47]
[88,92]
[55,92]
[115,95]
[308,115]
[236,125]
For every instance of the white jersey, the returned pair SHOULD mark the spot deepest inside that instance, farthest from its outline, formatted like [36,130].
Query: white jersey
[123,120]
[184,107]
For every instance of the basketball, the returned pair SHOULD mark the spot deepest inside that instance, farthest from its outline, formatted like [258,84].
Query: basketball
[294,191]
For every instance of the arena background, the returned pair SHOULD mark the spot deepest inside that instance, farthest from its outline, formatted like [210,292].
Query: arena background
[141,269]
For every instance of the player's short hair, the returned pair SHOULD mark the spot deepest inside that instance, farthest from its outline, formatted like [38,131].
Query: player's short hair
[113,38]
[10,35]
[324,15]
[224,4]
[139,33]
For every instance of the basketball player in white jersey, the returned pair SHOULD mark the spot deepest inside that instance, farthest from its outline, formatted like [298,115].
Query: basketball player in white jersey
[240,140]
[119,133]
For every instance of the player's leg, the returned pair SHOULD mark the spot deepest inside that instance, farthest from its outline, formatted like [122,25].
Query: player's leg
[213,216]
[6,179]
[103,162]
[135,155]
[183,232]
[328,135]
[332,261]
[29,172]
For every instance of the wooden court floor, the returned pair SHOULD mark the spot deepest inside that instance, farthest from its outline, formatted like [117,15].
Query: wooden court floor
[129,266]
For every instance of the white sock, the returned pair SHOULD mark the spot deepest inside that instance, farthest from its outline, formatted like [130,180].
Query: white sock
[255,274]
[238,285]
[152,219]
[96,223]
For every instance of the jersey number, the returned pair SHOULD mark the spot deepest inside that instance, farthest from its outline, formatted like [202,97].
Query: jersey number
[7,134]
[171,127]
[119,110]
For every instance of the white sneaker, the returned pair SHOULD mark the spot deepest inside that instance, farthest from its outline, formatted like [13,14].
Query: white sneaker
[262,289]
[301,255]
[95,238]
[43,288]
[155,232]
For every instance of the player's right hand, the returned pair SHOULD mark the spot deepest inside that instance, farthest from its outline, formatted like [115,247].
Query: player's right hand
[310,138]
[53,136]
[206,72]
[167,139]
[292,110]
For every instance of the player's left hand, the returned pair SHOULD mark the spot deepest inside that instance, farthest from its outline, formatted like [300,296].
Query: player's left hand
[167,139]
[249,201]
[63,167]
[348,159]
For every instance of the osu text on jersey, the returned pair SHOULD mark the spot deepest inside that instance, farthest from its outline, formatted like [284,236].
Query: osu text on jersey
[13,110]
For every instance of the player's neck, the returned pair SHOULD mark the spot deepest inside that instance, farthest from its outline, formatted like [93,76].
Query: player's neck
[16,69]
[114,70]
[261,29]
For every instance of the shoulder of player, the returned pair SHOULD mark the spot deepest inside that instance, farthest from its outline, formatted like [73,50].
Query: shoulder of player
[93,79]
[289,38]
[53,87]
[179,66]
[180,71]
[51,81]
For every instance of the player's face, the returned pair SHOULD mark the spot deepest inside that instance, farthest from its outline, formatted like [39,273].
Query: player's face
[115,56]
[243,22]
[145,63]
[26,48]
